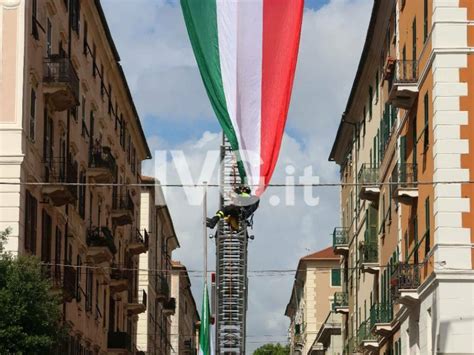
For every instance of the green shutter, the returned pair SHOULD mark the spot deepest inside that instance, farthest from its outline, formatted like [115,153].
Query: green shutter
[336,277]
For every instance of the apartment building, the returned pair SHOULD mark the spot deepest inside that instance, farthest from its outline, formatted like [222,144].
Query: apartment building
[185,322]
[154,332]
[317,278]
[67,116]
[406,244]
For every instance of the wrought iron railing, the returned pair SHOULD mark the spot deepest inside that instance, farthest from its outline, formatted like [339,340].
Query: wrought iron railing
[406,175]
[368,174]
[340,236]
[341,299]
[364,332]
[381,313]
[57,69]
[61,170]
[101,157]
[123,201]
[406,71]
[369,251]
[405,277]
[101,237]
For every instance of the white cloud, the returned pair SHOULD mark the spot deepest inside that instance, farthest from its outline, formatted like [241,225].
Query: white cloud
[165,81]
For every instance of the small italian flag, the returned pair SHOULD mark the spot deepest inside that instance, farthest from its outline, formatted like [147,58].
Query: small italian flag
[246,51]
[204,332]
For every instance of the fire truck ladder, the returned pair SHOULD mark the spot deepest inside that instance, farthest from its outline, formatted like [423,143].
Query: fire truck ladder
[231,268]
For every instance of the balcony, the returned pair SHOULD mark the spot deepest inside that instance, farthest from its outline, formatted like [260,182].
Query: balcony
[365,338]
[381,316]
[119,343]
[138,305]
[138,243]
[101,245]
[341,302]
[369,255]
[123,209]
[69,283]
[404,284]
[118,280]
[406,189]
[61,84]
[368,178]
[331,327]
[340,241]
[58,172]
[350,346]
[162,289]
[169,307]
[403,84]
[102,165]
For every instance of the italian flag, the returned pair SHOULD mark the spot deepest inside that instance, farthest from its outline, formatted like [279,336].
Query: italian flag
[204,332]
[246,51]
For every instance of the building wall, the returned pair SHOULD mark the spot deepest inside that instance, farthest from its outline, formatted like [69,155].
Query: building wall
[432,232]
[29,150]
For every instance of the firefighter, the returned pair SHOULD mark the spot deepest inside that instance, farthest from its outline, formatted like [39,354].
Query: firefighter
[243,205]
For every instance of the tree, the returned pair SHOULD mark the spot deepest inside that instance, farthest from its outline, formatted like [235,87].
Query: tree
[273,349]
[29,311]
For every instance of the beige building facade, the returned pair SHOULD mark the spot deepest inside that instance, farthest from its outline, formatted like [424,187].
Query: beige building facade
[405,141]
[67,117]
[185,322]
[317,278]
[154,329]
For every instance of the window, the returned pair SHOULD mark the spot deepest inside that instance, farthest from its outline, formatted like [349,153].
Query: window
[413,34]
[426,139]
[377,84]
[75,15]
[31,206]
[82,194]
[371,101]
[427,226]
[364,119]
[78,279]
[85,45]
[133,163]
[110,100]
[46,235]
[32,121]
[94,63]
[49,39]
[84,131]
[48,138]
[425,20]
[34,19]
[89,289]
[335,277]
[102,85]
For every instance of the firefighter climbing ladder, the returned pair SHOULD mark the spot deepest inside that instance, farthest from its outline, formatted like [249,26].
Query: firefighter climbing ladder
[231,268]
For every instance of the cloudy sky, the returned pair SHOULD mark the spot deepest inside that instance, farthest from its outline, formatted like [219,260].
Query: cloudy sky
[176,115]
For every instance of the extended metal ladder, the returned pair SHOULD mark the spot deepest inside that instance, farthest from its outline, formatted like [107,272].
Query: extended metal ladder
[231,268]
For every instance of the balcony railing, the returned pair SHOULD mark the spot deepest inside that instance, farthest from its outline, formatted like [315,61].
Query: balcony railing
[69,283]
[369,251]
[407,175]
[364,333]
[61,81]
[169,307]
[341,300]
[123,202]
[368,174]
[139,242]
[163,290]
[340,237]
[119,340]
[381,313]
[406,71]
[60,171]
[101,157]
[101,237]
[405,277]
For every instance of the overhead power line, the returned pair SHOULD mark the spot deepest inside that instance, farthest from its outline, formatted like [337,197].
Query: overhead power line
[327,184]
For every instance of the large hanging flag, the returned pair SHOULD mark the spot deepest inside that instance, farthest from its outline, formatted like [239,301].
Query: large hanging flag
[204,333]
[246,51]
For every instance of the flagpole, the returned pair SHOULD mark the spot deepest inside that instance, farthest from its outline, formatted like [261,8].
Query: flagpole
[204,230]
